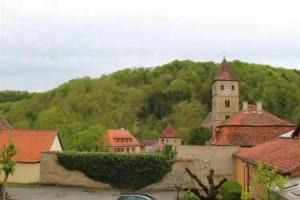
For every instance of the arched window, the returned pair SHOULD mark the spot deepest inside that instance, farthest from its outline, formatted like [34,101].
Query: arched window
[232,87]
[227,117]
[227,103]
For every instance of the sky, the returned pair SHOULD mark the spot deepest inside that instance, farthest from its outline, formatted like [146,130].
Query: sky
[44,43]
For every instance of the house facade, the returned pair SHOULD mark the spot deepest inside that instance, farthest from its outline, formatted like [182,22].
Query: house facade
[29,145]
[121,141]
[170,136]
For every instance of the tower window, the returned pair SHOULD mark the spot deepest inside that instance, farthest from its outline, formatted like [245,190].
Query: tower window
[222,87]
[227,103]
[232,87]
[227,117]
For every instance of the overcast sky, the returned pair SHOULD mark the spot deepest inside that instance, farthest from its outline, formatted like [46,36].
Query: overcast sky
[44,43]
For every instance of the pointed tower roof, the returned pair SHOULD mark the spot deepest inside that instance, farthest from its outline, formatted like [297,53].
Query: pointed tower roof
[169,132]
[225,73]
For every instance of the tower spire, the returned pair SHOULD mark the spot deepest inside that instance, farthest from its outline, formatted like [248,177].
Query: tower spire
[224,73]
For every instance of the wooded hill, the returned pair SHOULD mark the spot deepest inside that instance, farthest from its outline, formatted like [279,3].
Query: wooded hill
[144,100]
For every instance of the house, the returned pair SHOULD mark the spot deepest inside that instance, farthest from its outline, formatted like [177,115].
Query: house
[234,127]
[249,127]
[170,136]
[121,141]
[29,145]
[282,153]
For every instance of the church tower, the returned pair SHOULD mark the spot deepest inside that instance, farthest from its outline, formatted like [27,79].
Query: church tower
[225,95]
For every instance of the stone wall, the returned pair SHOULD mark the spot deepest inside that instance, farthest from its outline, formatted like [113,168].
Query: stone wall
[198,158]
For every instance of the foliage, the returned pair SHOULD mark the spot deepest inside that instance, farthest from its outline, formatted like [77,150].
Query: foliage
[123,171]
[231,190]
[8,165]
[266,177]
[199,136]
[89,140]
[246,195]
[211,192]
[145,100]
[169,152]
[189,196]
[11,96]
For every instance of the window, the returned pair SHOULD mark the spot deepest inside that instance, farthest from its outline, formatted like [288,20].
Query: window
[232,87]
[174,140]
[227,117]
[227,103]
[222,87]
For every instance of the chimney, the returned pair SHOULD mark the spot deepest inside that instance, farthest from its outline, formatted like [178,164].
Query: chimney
[259,107]
[245,106]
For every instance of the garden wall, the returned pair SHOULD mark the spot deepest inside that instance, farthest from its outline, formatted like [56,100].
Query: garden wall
[199,158]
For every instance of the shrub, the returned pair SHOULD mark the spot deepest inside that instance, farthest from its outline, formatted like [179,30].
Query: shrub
[231,190]
[189,196]
[123,171]
[199,136]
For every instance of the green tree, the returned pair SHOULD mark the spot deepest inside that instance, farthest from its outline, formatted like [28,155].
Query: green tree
[90,140]
[230,190]
[8,164]
[199,136]
[267,178]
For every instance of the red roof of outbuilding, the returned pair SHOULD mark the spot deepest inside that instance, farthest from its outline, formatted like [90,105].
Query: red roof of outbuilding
[252,118]
[281,153]
[120,138]
[29,144]
[224,73]
[169,132]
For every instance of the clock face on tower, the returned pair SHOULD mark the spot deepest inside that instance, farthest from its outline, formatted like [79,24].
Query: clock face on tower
[227,91]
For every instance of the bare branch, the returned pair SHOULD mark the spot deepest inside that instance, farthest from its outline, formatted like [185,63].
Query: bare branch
[193,176]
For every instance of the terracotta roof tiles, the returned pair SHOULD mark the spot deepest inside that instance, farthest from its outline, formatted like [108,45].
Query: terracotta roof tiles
[29,143]
[281,153]
[120,138]
[169,132]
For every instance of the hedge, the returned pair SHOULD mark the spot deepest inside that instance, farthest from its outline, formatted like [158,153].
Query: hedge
[231,190]
[122,171]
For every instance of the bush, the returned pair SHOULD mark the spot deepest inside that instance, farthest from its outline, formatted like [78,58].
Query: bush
[189,196]
[123,171]
[199,136]
[231,190]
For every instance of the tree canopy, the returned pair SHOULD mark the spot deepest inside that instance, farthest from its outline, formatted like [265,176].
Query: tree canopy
[145,100]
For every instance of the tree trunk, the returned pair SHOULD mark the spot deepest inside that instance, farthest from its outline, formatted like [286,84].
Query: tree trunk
[4,187]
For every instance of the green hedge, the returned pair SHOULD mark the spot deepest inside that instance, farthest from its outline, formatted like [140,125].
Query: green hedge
[123,171]
[231,190]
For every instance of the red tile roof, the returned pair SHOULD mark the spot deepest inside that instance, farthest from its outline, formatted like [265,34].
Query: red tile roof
[253,118]
[250,128]
[246,136]
[224,73]
[169,132]
[29,144]
[120,138]
[281,153]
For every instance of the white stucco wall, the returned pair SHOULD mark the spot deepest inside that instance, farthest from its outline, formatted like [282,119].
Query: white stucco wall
[24,173]
[56,146]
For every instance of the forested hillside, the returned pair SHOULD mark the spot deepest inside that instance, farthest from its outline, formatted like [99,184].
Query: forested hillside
[144,100]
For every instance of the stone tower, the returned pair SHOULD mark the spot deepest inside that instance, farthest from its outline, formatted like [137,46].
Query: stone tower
[225,95]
